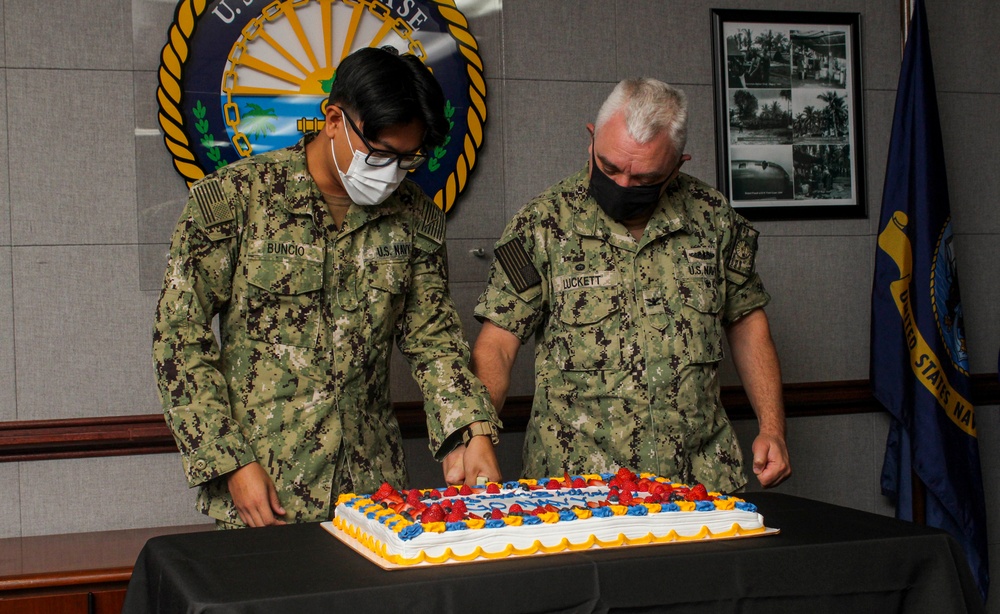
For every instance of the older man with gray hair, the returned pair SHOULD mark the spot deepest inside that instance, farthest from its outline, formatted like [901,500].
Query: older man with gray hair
[627,273]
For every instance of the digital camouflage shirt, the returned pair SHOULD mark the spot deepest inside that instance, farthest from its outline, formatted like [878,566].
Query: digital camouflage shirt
[628,335]
[299,380]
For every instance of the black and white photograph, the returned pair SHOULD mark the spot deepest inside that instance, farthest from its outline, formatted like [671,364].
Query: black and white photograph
[789,113]
[762,116]
[758,57]
[819,58]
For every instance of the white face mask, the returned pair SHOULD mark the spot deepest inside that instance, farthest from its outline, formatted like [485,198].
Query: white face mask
[365,184]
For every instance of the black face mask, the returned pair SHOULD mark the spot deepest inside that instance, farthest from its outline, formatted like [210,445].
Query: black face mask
[621,203]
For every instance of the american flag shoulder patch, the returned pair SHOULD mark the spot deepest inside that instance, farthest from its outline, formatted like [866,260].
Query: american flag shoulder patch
[432,225]
[212,202]
[517,265]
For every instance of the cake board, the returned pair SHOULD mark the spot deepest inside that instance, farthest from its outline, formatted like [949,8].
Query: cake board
[358,547]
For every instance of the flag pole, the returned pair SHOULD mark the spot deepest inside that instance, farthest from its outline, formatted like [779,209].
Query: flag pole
[905,15]
[918,499]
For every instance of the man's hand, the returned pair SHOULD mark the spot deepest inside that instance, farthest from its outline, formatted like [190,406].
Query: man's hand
[454,467]
[480,460]
[465,464]
[770,460]
[255,496]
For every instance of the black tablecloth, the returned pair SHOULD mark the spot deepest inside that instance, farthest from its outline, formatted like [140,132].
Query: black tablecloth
[825,559]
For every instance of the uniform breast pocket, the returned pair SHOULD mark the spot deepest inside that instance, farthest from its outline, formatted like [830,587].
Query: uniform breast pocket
[589,336]
[389,283]
[700,327]
[284,301]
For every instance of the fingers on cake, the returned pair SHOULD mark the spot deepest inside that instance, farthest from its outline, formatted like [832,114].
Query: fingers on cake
[536,516]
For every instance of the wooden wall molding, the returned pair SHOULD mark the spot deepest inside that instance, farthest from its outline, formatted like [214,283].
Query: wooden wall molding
[28,440]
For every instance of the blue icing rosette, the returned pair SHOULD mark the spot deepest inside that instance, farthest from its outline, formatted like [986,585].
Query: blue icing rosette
[637,510]
[670,507]
[494,523]
[529,520]
[601,512]
[411,531]
[745,506]
[455,526]
[704,506]
[566,516]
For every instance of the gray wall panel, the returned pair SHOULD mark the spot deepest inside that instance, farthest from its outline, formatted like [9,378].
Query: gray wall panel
[10,500]
[104,494]
[545,134]
[466,265]
[8,403]
[965,38]
[564,41]
[837,273]
[648,44]
[701,133]
[152,265]
[4,183]
[84,333]
[3,41]
[91,35]
[833,453]
[970,125]
[882,51]
[879,107]
[150,19]
[72,174]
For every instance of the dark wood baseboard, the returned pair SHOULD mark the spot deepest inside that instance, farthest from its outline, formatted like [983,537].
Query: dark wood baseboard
[148,434]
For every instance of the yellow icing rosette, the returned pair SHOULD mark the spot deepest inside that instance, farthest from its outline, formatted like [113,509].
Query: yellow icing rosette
[724,504]
[549,517]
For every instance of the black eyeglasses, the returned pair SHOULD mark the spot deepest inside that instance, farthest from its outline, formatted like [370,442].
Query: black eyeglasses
[381,157]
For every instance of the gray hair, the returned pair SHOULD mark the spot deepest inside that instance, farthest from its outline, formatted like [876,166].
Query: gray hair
[650,107]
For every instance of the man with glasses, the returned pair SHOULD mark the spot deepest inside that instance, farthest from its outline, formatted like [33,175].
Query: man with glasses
[627,273]
[316,258]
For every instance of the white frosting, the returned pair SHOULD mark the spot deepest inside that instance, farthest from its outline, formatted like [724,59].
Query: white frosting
[549,537]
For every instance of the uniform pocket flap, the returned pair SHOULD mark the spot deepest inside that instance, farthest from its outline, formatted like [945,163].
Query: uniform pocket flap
[585,307]
[392,277]
[285,276]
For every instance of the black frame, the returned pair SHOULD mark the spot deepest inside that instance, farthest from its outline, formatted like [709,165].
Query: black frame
[789,114]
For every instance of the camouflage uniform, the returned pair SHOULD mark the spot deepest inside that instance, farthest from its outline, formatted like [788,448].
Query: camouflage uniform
[628,334]
[307,316]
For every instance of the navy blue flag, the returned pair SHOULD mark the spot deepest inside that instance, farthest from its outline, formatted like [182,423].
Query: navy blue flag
[919,365]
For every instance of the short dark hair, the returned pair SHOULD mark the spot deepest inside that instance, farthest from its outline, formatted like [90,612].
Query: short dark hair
[384,89]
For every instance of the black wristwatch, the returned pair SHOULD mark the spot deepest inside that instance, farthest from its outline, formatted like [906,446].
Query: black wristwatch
[476,429]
